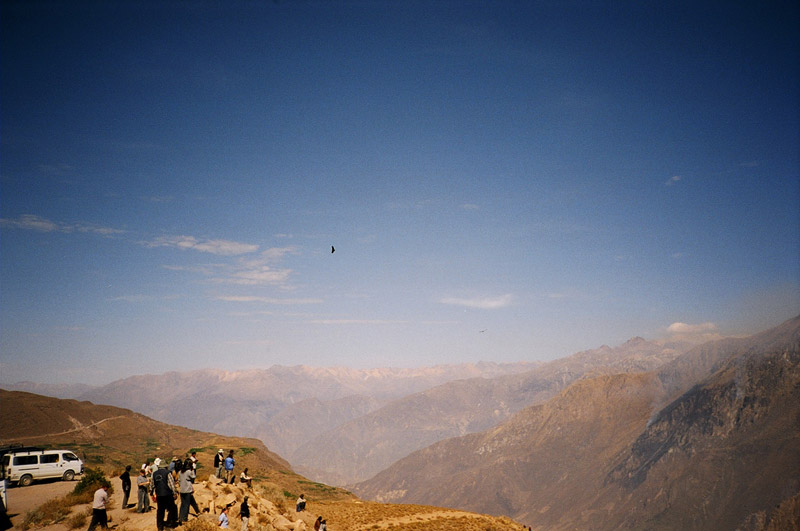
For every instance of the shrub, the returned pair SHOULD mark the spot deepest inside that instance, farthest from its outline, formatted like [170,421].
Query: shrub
[77,520]
[50,512]
[92,480]
[200,524]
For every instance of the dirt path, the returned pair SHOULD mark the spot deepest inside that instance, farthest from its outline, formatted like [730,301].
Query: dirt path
[71,430]
[23,499]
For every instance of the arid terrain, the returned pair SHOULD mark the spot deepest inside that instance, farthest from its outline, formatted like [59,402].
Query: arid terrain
[108,438]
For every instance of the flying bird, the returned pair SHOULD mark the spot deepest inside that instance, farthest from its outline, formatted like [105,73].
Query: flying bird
[482,331]
[332,249]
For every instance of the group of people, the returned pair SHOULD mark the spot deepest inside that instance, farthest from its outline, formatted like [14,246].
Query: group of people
[164,485]
[225,465]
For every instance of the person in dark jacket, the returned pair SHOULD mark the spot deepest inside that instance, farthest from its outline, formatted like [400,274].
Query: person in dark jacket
[126,486]
[219,461]
[244,513]
[163,486]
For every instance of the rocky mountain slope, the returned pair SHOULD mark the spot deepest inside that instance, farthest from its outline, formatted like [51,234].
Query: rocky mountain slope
[712,441]
[358,449]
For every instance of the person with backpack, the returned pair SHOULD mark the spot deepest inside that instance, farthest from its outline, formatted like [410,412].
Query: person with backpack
[163,487]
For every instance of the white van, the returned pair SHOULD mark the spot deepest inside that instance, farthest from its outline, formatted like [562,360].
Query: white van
[25,465]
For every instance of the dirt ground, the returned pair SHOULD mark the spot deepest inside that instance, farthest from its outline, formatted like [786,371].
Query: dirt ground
[23,499]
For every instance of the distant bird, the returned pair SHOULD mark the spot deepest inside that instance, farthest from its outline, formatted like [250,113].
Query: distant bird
[482,331]
[332,249]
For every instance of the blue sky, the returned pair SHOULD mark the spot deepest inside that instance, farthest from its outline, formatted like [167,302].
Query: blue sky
[501,180]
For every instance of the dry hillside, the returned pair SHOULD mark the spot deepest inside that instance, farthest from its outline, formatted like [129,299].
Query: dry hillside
[614,452]
[107,437]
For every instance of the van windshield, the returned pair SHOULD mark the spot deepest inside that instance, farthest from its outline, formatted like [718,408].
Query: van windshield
[69,456]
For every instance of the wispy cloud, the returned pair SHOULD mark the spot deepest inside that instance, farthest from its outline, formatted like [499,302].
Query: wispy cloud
[356,321]
[672,180]
[40,224]
[220,247]
[143,298]
[268,300]
[470,206]
[483,303]
[258,270]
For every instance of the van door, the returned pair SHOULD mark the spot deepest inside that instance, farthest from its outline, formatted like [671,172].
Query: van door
[50,465]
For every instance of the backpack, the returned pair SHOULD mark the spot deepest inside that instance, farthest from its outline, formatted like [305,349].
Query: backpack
[161,483]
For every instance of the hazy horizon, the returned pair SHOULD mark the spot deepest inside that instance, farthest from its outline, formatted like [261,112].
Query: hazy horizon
[502,181]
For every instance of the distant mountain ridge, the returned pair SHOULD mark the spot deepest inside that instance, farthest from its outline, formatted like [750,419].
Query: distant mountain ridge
[279,405]
[711,440]
[366,445]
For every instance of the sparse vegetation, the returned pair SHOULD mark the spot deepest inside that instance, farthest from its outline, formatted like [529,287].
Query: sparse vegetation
[200,524]
[78,520]
[50,512]
[92,480]
[247,450]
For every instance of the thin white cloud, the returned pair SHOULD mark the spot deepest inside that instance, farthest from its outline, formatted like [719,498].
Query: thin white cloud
[40,224]
[220,247]
[470,206]
[684,328]
[356,321]
[693,332]
[30,222]
[143,298]
[268,300]
[672,180]
[483,303]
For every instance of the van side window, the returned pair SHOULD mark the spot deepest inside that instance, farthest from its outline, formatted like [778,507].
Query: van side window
[25,460]
[49,458]
[69,456]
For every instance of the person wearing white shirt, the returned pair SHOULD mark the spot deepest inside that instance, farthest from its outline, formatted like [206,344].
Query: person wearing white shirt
[99,515]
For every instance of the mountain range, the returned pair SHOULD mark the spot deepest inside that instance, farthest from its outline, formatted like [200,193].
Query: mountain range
[645,435]
[710,440]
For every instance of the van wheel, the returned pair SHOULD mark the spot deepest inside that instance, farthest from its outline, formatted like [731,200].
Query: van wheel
[69,475]
[25,480]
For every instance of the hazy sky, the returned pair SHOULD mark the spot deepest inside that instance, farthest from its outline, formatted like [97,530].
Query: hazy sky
[501,180]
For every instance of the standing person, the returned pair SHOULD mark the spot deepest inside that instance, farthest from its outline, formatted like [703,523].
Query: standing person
[186,482]
[301,503]
[244,513]
[229,464]
[99,515]
[223,517]
[323,526]
[317,523]
[219,461]
[188,464]
[126,486]
[164,489]
[194,461]
[143,483]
